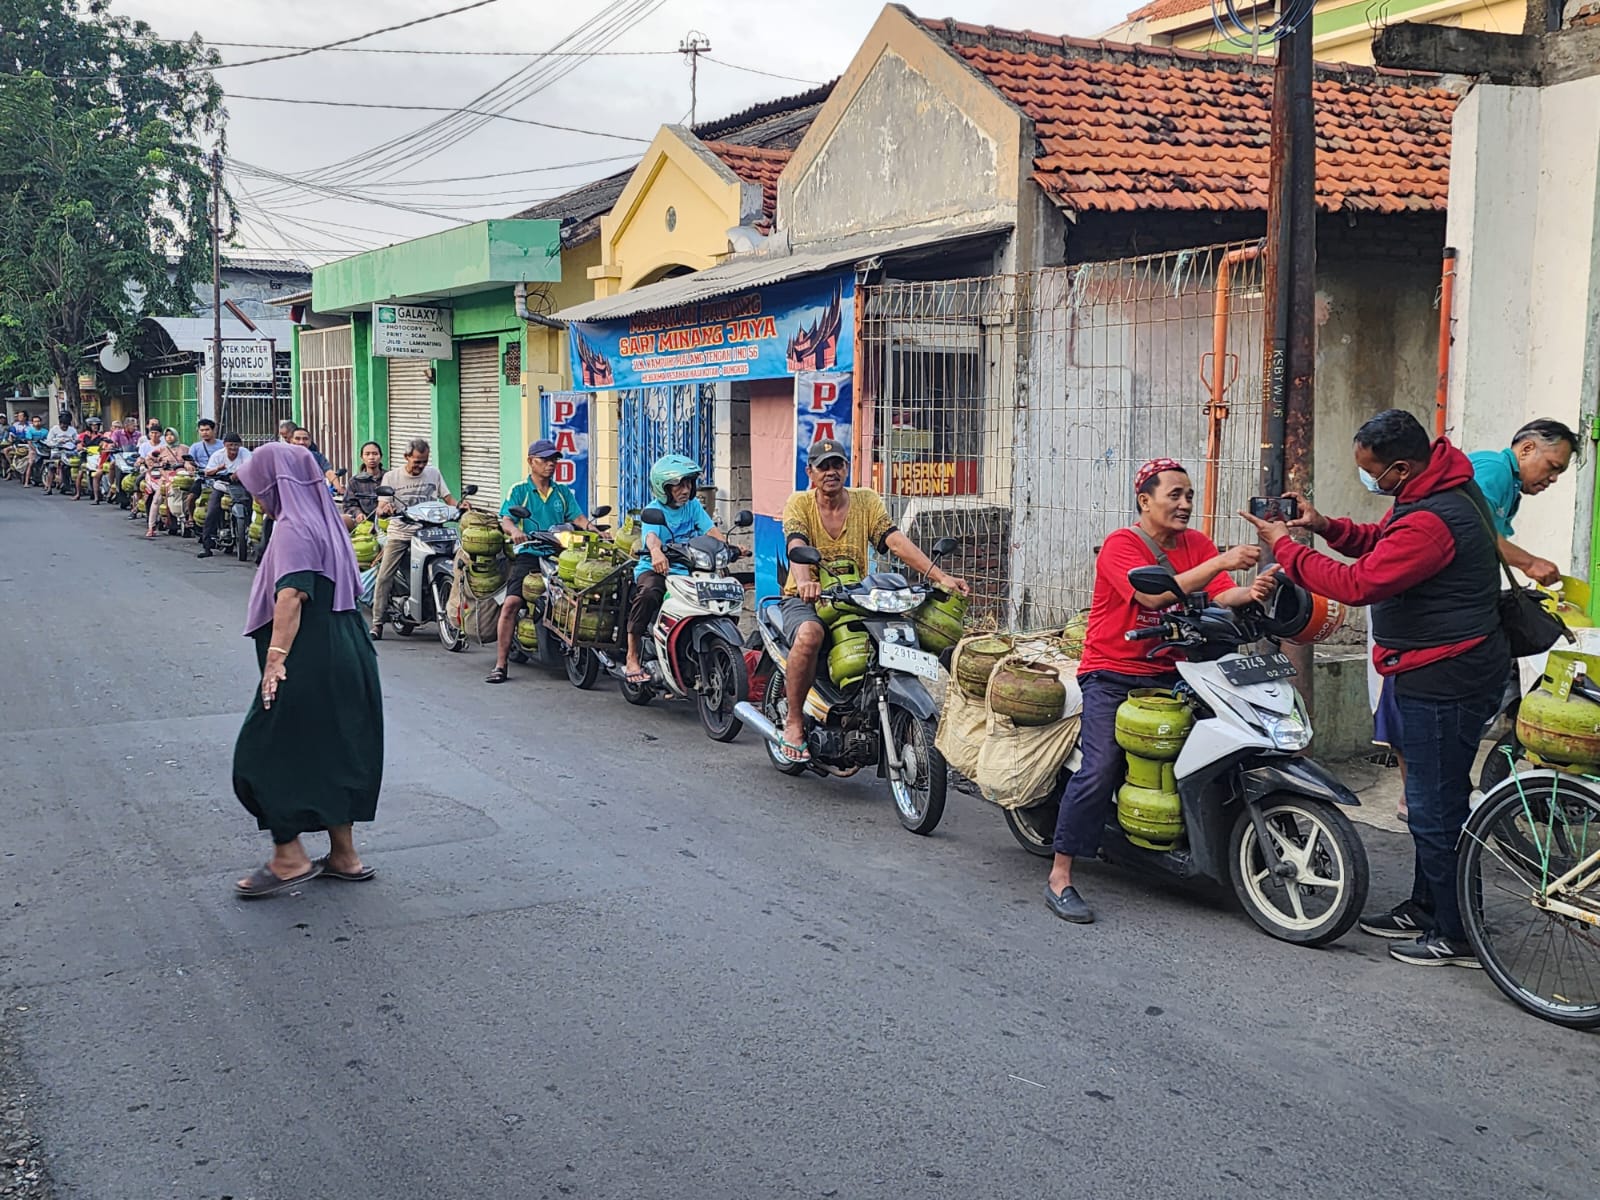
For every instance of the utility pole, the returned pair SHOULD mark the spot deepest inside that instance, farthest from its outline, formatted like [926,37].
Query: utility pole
[1288,411]
[694,44]
[216,285]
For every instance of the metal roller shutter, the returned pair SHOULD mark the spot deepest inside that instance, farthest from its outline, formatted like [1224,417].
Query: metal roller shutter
[410,406]
[480,420]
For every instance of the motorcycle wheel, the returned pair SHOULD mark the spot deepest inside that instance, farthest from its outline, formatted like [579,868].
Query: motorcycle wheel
[241,542]
[1035,827]
[918,799]
[583,668]
[726,683]
[636,693]
[775,707]
[451,638]
[1318,839]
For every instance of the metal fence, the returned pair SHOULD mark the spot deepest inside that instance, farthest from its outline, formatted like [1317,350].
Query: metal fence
[1010,412]
[327,388]
[663,420]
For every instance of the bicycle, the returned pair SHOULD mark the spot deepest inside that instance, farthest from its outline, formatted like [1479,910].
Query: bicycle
[1528,877]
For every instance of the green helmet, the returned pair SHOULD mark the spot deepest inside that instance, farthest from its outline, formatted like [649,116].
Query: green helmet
[671,469]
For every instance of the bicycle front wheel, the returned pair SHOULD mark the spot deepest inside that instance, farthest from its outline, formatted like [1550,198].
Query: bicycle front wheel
[1527,854]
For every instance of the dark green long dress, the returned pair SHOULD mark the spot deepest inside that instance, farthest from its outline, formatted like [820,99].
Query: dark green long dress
[315,758]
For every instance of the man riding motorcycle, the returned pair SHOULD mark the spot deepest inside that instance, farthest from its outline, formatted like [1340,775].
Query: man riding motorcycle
[64,436]
[549,504]
[673,480]
[414,482]
[224,464]
[35,436]
[840,522]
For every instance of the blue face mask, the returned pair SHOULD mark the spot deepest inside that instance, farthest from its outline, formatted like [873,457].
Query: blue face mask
[1374,485]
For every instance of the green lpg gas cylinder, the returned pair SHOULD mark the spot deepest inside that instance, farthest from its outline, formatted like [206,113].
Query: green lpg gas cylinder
[976,661]
[1152,817]
[1153,723]
[479,537]
[567,561]
[628,535]
[939,619]
[1028,693]
[528,635]
[484,581]
[591,571]
[849,651]
[533,586]
[1560,731]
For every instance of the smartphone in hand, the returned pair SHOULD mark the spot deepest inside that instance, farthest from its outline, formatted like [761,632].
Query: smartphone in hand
[1274,508]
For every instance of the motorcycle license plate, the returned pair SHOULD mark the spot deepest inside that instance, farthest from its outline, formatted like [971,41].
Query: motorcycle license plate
[1256,668]
[912,661]
[719,589]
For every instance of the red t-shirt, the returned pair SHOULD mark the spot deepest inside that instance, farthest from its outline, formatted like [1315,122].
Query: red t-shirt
[1114,611]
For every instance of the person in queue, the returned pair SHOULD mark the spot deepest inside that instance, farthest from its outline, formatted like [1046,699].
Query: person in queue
[201,452]
[840,522]
[91,441]
[549,504]
[35,437]
[62,436]
[301,436]
[164,462]
[18,429]
[123,437]
[1112,666]
[1431,576]
[286,431]
[414,482]
[223,465]
[673,480]
[361,492]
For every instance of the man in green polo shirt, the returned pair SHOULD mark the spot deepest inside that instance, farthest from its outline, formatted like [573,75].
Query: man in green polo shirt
[1538,455]
[549,504]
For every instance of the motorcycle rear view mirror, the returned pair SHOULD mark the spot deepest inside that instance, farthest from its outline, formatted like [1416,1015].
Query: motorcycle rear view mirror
[806,556]
[519,512]
[342,472]
[1155,581]
[650,516]
[744,519]
[944,546]
[601,511]
[470,490]
[385,491]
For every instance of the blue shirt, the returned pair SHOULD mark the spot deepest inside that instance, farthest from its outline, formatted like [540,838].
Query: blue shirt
[1500,481]
[35,435]
[558,506]
[203,454]
[684,523]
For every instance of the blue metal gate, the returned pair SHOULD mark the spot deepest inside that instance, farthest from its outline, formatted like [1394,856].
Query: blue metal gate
[664,420]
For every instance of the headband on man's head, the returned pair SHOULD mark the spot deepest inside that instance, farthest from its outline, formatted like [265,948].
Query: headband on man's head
[1153,468]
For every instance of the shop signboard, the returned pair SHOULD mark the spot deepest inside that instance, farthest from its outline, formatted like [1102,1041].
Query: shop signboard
[823,408]
[246,361]
[565,421]
[765,333]
[410,331]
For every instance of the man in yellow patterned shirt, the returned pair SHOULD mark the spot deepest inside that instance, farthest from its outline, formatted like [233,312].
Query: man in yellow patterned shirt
[840,522]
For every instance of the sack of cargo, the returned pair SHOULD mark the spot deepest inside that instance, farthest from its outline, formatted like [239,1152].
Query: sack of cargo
[963,723]
[1018,764]
[475,614]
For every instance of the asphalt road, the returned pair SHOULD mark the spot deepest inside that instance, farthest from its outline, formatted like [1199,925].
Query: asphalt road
[606,957]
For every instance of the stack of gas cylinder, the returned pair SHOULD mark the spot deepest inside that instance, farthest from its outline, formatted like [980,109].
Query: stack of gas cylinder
[1151,727]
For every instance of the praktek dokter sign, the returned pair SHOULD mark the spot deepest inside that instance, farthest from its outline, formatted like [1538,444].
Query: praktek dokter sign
[766,333]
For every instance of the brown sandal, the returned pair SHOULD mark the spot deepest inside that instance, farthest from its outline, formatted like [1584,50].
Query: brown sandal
[264,882]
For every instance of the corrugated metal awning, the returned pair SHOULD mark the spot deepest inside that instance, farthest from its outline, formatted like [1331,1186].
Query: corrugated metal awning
[760,270]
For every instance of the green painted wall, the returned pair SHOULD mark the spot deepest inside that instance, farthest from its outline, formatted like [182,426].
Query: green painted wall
[294,375]
[454,262]
[172,400]
[513,450]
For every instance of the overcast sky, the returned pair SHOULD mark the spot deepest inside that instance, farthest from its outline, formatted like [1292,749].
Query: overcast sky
[623,94]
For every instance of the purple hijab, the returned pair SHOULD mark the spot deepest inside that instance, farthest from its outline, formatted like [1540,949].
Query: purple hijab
[307,533]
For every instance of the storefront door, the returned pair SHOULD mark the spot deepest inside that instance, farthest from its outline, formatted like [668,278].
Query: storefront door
[410,406]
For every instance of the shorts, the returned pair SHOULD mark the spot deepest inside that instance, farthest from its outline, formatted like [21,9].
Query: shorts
[793,613]
[522,565]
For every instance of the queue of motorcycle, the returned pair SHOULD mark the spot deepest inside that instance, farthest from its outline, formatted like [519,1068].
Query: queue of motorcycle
[421,589]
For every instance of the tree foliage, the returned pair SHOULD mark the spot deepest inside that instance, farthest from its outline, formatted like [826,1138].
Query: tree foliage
[104,181]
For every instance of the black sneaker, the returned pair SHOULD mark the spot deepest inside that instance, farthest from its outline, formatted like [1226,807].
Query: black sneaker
[1408,920]
[205,552]
[1434,950]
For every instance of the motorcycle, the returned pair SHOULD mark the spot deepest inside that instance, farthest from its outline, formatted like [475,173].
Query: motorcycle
[694,649]
[887,719]
[61,463]
[421,589]
[125,468]
[1257,815]
[581,663]
[233,535]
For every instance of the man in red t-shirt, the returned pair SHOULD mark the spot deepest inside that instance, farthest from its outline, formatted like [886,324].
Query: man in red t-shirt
[1112,666]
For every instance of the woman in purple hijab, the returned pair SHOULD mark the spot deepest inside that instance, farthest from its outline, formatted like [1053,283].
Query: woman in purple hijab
[310,755]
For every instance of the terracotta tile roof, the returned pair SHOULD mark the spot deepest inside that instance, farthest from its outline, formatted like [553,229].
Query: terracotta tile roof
[1160,10]
[1124,128]
[755,165]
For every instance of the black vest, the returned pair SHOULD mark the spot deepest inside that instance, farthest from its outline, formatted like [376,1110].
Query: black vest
[1459,603]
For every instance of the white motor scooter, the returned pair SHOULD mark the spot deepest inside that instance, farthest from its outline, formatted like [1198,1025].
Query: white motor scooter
[421,589]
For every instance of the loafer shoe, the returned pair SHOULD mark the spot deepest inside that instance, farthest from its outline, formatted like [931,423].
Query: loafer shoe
[1068,905]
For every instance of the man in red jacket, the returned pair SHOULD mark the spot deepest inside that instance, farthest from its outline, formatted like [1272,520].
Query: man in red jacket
[1431,575]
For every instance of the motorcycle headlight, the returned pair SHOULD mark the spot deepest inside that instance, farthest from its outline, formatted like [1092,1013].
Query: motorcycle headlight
[887,600]
[1287,732]
[700,560]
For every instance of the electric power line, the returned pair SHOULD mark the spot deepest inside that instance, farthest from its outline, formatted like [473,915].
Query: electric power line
[768,74]
[621,137]
[360,37]
[438,53]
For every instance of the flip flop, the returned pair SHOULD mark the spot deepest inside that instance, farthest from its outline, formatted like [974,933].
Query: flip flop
[261,883]
[795,754]
[638,677]
[498,675]
[360,876]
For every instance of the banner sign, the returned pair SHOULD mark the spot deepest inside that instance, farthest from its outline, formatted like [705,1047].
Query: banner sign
[246,361]
[823,408]
[767,333]
[406,331]
[565,420]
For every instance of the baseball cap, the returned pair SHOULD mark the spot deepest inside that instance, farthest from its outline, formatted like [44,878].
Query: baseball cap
[825,449]
[543,448]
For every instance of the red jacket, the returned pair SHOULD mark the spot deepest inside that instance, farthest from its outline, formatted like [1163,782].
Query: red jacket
[1392,557]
